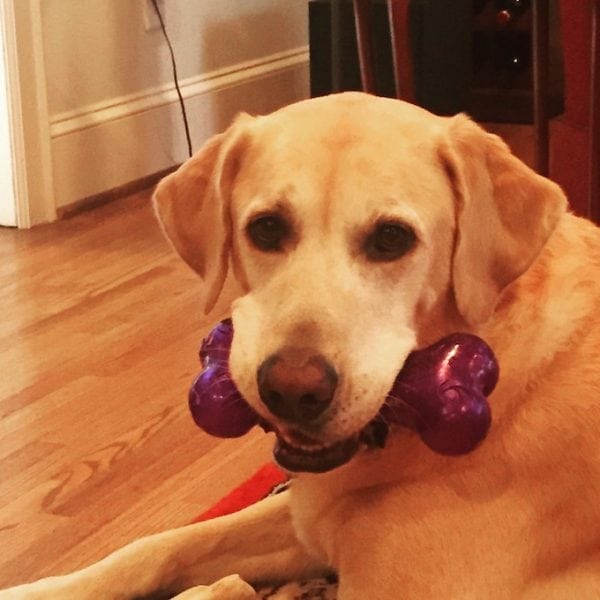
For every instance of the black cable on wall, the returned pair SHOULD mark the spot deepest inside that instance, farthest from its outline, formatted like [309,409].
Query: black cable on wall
[175,77]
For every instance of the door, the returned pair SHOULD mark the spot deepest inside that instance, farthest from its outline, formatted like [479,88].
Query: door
[26,188]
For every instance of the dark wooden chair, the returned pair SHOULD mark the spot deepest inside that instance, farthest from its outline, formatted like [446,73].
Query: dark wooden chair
[398,12]
[400,41]
[594,161]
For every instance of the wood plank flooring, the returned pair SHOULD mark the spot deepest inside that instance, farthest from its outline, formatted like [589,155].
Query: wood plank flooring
[99,331]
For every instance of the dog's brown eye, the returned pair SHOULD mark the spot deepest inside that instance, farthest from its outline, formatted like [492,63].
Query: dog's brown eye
[268,233]
[389,241]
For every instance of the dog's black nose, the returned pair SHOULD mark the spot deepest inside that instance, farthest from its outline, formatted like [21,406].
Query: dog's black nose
[296,386]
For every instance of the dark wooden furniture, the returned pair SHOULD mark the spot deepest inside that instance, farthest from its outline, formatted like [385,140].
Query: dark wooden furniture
[582,46]
[398,19]
[437,75]
[594,143]
[575,139]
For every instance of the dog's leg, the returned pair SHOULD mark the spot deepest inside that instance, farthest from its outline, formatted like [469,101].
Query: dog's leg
[258,543]
[581,582]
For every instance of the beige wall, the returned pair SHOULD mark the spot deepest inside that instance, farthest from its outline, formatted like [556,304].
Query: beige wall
[98,49]
[110,101]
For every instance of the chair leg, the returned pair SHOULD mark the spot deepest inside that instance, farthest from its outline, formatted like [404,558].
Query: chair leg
[540,18]
[336,58]
[594,166]
[398,11]
[364,38]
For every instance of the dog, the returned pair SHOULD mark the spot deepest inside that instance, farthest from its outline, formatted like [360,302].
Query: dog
[358,229]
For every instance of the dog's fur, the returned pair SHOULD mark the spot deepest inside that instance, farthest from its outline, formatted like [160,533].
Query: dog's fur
[497,255]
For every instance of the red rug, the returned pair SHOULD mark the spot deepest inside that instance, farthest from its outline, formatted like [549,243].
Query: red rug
[265,481]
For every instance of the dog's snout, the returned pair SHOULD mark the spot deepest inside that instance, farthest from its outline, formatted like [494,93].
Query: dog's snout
[295,389]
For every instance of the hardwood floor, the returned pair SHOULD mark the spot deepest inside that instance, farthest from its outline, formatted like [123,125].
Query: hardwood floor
[99,332]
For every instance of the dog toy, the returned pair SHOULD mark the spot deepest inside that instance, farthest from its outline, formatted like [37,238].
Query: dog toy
[441,392]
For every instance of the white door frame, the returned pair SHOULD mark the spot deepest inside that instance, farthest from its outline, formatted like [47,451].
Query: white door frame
[21,24]
[8,209]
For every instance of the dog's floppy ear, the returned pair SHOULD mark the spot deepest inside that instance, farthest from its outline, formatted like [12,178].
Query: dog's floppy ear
[192,205]
[505,213]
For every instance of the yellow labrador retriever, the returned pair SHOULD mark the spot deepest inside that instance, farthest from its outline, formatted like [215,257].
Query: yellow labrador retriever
[358,229]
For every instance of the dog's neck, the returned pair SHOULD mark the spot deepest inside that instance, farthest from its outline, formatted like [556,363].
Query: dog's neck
[533,307]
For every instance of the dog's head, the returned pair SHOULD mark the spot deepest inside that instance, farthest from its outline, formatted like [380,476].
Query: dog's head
[358,228]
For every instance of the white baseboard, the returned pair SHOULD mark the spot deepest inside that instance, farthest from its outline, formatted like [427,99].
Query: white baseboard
[105,145]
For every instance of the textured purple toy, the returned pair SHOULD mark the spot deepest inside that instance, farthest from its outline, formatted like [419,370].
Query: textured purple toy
[215,403]
[441,392]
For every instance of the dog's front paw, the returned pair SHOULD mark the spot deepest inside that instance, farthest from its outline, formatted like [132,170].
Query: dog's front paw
[45,589]
[232,587]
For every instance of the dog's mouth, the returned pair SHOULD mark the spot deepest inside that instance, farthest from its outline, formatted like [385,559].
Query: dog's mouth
[295,451]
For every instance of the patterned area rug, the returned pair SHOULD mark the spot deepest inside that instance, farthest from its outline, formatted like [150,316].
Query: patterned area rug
[314,589]
[268,480]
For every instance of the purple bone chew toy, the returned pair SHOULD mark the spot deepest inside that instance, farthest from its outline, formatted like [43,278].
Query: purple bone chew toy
[215,403]
[440,392]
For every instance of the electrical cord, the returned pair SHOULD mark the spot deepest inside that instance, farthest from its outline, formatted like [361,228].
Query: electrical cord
[175,78]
